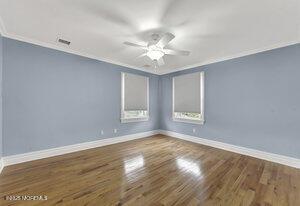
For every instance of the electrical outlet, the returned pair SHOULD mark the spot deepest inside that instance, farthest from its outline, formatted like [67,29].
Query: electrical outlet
[194,130]
[102,132]
[115,130]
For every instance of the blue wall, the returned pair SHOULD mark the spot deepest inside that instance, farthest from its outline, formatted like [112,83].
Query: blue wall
[252,101]
[51,99]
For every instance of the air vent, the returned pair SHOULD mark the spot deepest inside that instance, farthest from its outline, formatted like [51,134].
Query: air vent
[64,41]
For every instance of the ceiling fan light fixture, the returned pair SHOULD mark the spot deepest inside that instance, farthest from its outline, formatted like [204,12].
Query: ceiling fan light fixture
[155,52]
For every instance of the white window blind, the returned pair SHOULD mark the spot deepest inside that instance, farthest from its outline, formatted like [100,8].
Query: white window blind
[187,92]
[135,89]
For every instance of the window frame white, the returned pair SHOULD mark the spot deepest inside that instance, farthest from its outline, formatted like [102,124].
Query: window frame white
[135,119]
[186,120]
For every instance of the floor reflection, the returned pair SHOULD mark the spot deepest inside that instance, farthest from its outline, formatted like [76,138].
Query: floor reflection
[188,166]
[133,164]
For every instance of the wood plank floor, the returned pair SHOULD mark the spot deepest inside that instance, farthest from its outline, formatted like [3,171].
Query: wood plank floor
[158,170]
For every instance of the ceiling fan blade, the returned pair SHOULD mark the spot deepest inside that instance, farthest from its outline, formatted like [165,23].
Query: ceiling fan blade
[142,55]
[173,15]
[135,45]
[164,40]
[176,52]
[106,13]
[160,61]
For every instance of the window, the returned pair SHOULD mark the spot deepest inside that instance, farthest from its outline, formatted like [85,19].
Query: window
[135,98]
[188,98]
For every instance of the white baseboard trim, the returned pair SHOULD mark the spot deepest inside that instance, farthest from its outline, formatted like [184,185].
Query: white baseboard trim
[285,160]
[19,158]
[1,165]
[25,157]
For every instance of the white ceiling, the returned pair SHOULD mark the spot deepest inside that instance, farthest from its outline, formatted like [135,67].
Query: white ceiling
[213,30]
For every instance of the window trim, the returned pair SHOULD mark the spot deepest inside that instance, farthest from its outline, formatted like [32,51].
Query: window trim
[191,121]
[139,119]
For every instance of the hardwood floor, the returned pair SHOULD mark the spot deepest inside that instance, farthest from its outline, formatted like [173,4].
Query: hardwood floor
[158,170]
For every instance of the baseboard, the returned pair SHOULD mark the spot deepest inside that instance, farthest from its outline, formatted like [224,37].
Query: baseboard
[285,160]
[1,165]
[19,158]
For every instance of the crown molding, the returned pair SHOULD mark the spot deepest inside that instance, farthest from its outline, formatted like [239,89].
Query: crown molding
[71,51]
[4,33]
[2,28]
[241,54]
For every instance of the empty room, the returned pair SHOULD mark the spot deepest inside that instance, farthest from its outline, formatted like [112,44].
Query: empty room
[150,103]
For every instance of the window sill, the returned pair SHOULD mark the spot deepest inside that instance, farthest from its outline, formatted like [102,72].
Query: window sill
[140,119]
[191,121]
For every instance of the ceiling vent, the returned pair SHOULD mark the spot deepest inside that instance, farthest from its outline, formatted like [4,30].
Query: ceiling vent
[63,41]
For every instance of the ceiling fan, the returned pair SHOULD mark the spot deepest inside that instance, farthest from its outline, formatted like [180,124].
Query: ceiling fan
[156,50]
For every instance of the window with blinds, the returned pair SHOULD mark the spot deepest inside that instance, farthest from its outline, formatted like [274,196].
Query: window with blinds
[135,98]
[188,98]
